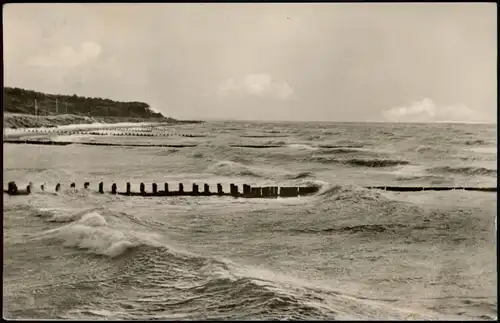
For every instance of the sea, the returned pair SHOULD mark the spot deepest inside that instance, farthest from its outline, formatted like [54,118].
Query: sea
[343,253]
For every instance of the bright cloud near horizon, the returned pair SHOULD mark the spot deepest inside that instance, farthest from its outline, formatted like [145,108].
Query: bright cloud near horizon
[396,62]
[427,111]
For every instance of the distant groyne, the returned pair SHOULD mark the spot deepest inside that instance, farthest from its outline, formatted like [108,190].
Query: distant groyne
[431,188]
[65,143]
[141,132]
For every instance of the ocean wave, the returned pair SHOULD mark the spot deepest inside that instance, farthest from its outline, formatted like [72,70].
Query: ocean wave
[360,162]
[234,291]
[477,142]
[364,228]
[469,170]
[275,142]
[351,151]
[183,283]
[340,151]
[302,147]
[350,193]
[299,175]
[427,148]
[90,231]
[235,169]
[347,145]
[375,162]
[314,137]
[230,168]
[63,215]
[190,282]
[165,152]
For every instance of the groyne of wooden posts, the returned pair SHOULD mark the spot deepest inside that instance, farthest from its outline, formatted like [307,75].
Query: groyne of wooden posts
[248,191]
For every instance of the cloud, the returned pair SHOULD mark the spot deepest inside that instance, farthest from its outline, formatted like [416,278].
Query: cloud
[427,111]
[67,56]
[261,85]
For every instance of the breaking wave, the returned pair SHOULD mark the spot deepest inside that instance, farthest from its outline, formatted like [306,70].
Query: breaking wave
[350,193]
[89,230]
[299,175]
[236,169]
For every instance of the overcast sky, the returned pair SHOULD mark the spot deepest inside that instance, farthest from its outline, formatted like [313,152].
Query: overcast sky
[282,61]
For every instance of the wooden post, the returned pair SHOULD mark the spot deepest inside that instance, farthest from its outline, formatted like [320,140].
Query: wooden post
[181,188]
[12,188]
[246,190]
[195,189]
[165,188]
[289,192]
[113,188]
[101,187]
[256,192]
[73,185]
[42,187]
[86,185]
[58,187]
[219,189]
[207,189]
[142,189]
[128,188]
[234,190]
[155,188]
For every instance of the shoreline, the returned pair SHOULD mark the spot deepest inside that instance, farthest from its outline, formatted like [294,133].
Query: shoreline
[27,121]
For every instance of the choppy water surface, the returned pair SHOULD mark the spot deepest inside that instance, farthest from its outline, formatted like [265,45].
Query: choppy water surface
[344,253]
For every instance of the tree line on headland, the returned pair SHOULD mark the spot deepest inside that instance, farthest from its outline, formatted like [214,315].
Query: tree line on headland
[17,100]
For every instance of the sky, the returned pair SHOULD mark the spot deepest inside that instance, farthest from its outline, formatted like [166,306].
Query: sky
[394,62]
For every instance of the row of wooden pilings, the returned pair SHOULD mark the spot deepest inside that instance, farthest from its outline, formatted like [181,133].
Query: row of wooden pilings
[122,133]
[139,134]
[248,191]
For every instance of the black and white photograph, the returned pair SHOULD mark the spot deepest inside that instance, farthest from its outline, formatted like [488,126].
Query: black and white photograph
[250,161]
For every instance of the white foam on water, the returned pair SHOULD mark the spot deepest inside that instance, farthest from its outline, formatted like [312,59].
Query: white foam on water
[92,232]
